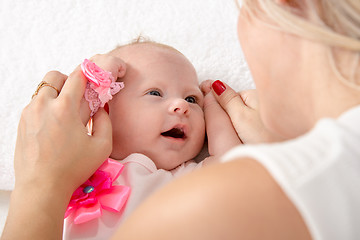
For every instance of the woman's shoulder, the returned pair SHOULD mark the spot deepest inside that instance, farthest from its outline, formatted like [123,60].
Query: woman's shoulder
[249,198]
[319,172]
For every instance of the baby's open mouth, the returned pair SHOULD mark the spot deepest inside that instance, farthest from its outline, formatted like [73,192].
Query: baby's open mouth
[174,133]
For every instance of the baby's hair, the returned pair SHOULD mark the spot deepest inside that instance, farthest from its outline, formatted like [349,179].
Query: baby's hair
[146,40]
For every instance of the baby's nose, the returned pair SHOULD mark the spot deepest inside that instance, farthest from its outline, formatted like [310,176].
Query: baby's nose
[179,106]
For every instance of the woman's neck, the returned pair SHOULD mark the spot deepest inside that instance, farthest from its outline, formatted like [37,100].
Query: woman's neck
[331,96]
[318,93]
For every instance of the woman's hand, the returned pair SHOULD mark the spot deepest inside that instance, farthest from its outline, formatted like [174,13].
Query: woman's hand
[243,110]
[54,153]
[53,144]
[53,147]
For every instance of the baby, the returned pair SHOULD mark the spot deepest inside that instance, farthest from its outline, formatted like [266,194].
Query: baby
[158,127]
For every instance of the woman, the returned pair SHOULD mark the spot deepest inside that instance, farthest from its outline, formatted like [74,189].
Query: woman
[304,57]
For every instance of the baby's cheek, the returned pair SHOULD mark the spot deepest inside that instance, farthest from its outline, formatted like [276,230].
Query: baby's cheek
[200,126]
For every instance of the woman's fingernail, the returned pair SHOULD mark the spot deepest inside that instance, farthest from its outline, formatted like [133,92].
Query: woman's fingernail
[218,87]
[106,107]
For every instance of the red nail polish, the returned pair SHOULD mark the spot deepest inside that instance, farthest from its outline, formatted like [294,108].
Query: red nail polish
[106,107]
[218,87]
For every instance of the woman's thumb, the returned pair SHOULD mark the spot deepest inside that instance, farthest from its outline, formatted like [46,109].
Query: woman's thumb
[229,100]
[102,129]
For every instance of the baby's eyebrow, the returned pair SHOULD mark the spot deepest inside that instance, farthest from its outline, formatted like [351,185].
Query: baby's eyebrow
[197,91]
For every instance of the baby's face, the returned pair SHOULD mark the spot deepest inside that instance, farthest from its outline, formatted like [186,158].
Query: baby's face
[159,113]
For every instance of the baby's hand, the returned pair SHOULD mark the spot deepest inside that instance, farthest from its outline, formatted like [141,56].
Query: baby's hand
[108,63]
[220,131]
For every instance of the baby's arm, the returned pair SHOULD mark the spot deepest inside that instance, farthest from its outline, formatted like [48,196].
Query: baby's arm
[220,131]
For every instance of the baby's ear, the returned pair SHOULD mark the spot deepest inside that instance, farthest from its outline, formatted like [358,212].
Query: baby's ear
[205,86]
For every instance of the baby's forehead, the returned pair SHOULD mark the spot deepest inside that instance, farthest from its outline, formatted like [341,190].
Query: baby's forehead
[138,56]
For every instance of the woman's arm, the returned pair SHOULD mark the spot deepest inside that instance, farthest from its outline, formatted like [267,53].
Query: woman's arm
[234,200]
[36,212]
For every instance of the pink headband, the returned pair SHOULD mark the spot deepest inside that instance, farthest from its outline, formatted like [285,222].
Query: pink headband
[101,85]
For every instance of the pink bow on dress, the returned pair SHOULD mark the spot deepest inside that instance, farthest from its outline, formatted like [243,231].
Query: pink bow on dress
[98,193]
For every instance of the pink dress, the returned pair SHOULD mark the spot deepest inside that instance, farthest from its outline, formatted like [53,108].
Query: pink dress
[142,176]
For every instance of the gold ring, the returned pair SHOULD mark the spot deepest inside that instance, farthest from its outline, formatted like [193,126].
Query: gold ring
[44,84]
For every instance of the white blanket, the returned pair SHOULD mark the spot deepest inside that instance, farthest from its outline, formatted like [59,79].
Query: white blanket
[38,36]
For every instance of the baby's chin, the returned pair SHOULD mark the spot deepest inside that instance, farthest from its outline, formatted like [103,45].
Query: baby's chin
[167,161]
[167,166]
[171,162]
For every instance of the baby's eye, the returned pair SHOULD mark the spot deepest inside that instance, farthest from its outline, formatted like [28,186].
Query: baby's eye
[190,99]
[154,93]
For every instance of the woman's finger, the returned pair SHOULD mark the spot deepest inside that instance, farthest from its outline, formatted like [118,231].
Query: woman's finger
[229,100]
[52,84]
[102,132]
[250,98]
[74,86]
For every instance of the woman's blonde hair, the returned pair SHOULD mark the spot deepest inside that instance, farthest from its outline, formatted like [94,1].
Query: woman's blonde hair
[335,23]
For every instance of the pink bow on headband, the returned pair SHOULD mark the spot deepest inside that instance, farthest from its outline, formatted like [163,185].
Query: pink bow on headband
[98,193]
[101,85]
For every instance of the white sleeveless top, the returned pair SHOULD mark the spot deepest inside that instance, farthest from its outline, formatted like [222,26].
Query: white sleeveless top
[320,173]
